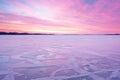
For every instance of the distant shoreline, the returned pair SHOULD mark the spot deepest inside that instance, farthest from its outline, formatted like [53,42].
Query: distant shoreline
[15,33]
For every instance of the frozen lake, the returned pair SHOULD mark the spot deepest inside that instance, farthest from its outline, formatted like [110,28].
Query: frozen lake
[60,57]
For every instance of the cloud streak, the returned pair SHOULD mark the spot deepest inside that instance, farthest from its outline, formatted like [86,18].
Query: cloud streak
[62,16]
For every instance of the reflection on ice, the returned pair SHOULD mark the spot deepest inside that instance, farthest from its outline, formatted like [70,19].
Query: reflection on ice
[61,59]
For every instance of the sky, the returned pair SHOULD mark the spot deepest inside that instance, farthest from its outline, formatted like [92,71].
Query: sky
[60,16]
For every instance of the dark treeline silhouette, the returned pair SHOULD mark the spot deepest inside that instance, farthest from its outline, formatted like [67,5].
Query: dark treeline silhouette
[15,33]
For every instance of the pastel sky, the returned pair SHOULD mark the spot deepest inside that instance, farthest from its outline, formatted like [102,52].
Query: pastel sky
[60,16]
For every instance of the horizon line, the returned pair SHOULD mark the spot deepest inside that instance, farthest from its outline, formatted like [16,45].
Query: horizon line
[27,33]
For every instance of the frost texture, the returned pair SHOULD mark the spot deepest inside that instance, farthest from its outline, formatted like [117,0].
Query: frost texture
[59,58]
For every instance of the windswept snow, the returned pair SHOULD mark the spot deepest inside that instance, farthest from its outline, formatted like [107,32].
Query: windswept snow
[60,57]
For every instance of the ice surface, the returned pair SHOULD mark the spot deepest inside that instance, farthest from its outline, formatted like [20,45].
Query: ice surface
[59,57]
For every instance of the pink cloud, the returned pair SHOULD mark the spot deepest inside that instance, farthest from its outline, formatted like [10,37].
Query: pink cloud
[68,14]
[8,18]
